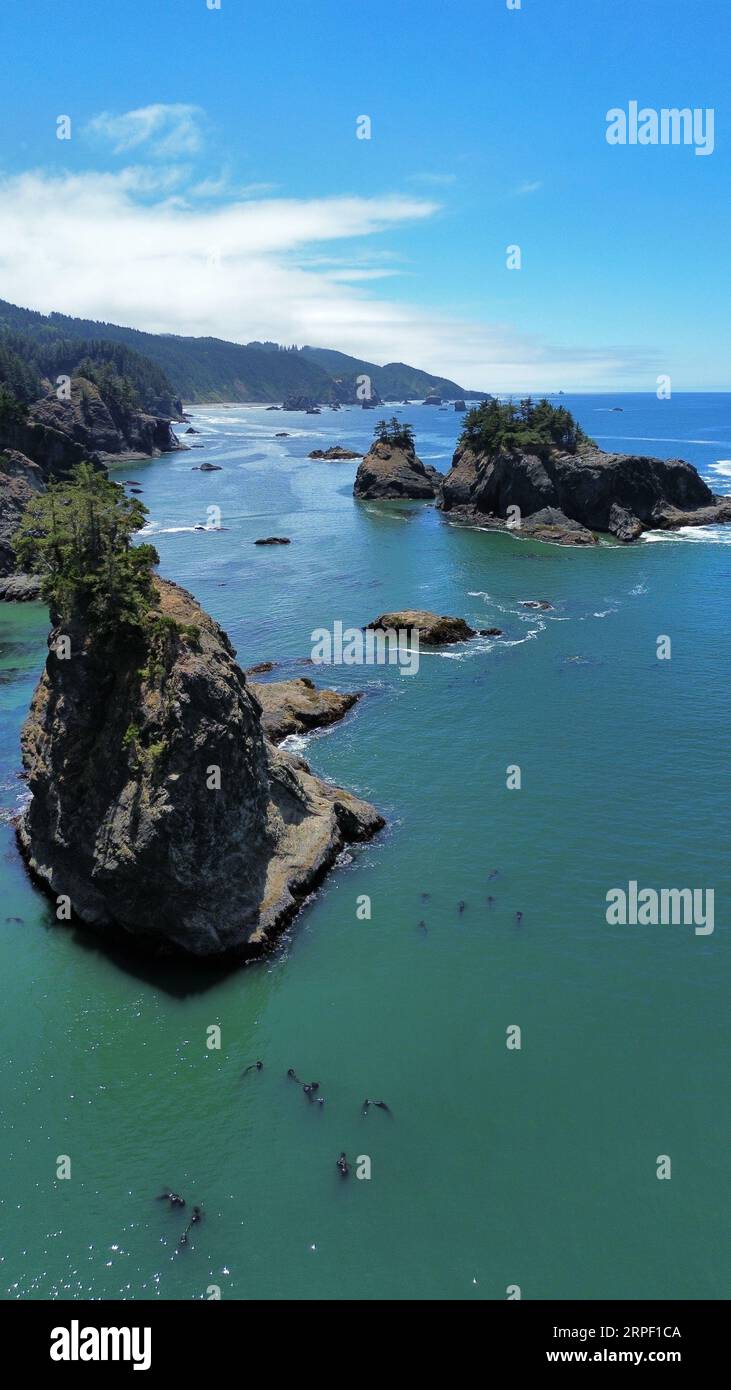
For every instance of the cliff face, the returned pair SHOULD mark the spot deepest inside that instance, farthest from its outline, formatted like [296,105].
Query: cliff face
[86,419]
[391,472]
[158,805]
[20,481]
[566,497]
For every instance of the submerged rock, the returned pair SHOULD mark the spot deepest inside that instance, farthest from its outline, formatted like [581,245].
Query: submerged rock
[158,804]
[391,472]
[297,706]
[435,630]
[273,540]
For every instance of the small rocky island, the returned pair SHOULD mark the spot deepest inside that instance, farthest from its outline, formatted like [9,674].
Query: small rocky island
[159,807]
[336,454]
[530,469]
[391,469]
[434,629]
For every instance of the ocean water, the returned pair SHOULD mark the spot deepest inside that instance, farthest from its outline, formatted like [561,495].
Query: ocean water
[497,1167]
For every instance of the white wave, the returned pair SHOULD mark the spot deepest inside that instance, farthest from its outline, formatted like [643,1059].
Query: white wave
[154,528]
[722,466]
[639,589]
[476,647]
[477,593]
[663,439]
[706,535]
[295,743]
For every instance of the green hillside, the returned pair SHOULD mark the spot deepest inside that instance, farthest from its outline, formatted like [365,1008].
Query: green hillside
[163,366]
[396,379]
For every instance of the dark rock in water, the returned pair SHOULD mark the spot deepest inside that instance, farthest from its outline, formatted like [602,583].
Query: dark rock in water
[191,430]
[272,407]
[491,632]
[433,399]
[210,468]
[390,472]
[549,524]
[460,405]
[568,497]
[535,603]
[297,706]
[295,402]
[19,588]
[281,434]
[434,629]
[336,452]
[158,804]
[273,540]
[367,405]
[260,668]
[623,524]
[313,410]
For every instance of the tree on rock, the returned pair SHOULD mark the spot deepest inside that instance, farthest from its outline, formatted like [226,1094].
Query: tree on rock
[78,537]
[394,433]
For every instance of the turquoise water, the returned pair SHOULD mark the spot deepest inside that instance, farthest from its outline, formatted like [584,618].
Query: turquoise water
[534,1167]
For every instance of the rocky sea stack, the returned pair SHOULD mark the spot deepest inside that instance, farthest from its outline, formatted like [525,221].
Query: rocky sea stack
[531,469]
[158,804]
[391,469]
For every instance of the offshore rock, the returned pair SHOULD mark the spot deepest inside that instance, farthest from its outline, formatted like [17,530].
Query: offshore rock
[567,497]
[391,472]
[298,706]
[158,804]
[435,630]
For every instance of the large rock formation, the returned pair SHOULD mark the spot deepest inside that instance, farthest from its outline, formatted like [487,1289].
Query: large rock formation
[391,472]
[158,805]
[86,419]
[567,497]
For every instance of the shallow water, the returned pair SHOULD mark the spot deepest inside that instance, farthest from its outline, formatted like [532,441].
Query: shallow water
[535,1167]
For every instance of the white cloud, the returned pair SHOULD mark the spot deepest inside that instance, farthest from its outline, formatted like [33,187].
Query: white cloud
[524,188]
[438,180]
[167,131]
[131,248]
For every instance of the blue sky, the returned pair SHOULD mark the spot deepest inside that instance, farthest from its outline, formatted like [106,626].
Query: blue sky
[240,203]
